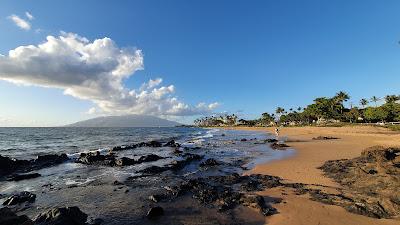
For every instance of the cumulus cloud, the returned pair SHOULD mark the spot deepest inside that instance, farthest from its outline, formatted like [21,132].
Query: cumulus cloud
[94,71]
[21,23]
[29,16]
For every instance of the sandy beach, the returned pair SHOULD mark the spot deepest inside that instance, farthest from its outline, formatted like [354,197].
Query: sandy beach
[303,168]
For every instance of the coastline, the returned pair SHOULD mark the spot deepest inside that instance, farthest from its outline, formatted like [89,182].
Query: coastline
[302,168]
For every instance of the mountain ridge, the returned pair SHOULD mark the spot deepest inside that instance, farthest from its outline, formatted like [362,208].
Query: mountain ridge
[133,120]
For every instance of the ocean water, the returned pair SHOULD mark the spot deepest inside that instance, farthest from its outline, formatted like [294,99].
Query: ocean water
[79,184]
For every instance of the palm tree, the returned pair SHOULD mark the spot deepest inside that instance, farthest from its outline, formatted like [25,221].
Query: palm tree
[391,98]
[364,102]
[375,100]
[341,97]
[279,111]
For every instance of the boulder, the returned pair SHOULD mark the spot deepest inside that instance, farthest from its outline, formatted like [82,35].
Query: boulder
[61,216]
[22,197]
[7,217]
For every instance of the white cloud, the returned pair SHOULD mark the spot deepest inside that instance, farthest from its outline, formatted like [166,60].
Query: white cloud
[29,16]
[21,23]
[92,111]
[94,71]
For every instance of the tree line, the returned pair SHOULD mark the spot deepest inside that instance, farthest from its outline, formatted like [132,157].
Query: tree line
[321,110]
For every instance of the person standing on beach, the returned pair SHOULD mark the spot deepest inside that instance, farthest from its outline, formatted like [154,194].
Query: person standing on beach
[277,131]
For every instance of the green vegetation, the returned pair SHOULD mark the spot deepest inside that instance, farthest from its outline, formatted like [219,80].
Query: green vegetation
[323,111]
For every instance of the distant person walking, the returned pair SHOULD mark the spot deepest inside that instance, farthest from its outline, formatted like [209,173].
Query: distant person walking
[277,131]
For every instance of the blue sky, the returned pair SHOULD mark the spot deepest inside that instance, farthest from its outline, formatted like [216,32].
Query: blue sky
[249,56]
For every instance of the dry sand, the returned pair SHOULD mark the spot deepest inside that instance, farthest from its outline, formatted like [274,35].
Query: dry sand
[302,167]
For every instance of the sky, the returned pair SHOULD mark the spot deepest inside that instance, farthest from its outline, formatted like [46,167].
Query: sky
[65,61]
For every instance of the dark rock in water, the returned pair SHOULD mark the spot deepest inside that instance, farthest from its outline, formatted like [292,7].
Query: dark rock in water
[271,140]
[279,146]
[155,212]
[149,158]
[154,170]
[18,177]
[188,158]
[8,165]
[49,160]
[177,151]
[7,217]
[325,138]
[61,216]
[125,161]
[118,183]
[210,162]
[127,147]
[20,198]
[172,143]
[191,157]
[95,158]
[243,139]
[154,144]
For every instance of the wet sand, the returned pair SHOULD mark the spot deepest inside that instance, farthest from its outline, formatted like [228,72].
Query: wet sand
[302,168]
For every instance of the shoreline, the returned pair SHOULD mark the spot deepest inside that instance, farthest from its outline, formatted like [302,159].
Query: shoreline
[302,167]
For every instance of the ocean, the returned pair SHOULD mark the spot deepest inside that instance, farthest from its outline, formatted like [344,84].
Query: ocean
[90,186]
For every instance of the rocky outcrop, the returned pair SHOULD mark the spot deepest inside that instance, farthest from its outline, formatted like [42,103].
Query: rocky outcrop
[22,197]
[7,217]
[279,146]
[371,182]
[325,138]
[95,158]
[220,192]
[18,177]
[61,216]
[9,166]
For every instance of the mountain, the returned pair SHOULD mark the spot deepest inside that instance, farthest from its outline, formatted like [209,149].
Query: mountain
[125,121]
